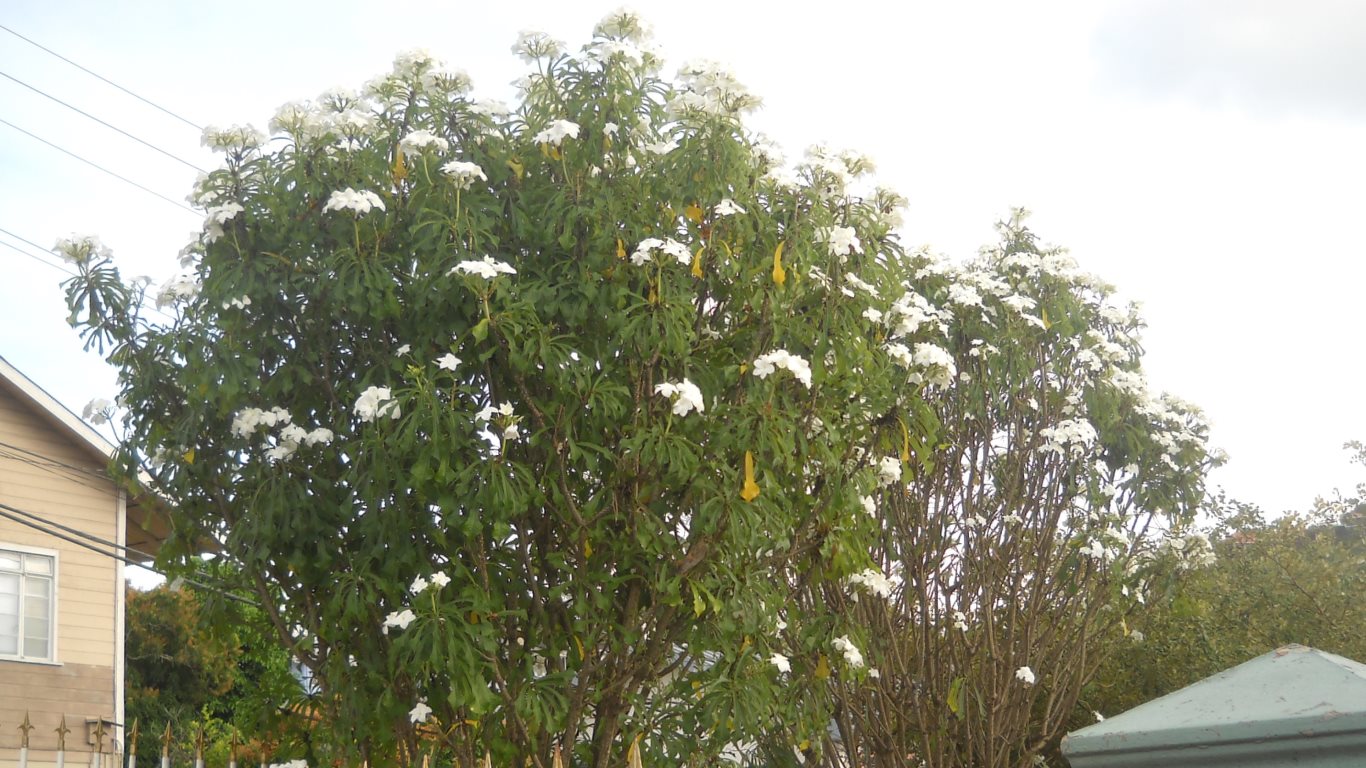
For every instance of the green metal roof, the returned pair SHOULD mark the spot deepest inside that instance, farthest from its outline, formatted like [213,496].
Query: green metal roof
[1293,706]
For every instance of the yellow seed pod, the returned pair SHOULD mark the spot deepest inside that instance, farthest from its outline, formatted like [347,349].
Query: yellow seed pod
[750,490]
[779,274]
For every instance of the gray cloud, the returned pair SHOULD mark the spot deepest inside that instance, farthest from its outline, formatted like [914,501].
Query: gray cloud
[1267,56]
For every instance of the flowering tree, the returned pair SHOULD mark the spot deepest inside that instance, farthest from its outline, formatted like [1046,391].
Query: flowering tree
[565,431]
[1017,529]
[521,423]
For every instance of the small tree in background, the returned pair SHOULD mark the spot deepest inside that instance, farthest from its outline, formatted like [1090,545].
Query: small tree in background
[1294,579]
[564,429]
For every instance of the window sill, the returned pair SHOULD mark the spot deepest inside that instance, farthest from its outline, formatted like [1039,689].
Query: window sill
[39,662]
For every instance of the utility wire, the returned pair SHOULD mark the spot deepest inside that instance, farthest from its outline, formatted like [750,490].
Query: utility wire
[24,240]
[80,111]
[38,259]
[100,167]
[97,75]
[39,523]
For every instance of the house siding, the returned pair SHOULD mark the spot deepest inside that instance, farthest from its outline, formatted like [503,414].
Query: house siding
[81,683]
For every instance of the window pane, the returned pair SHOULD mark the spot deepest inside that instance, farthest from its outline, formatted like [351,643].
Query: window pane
[35,639]
[9,613]
[9,561]
[37,564]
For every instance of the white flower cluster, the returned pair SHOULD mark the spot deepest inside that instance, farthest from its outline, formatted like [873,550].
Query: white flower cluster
[178,288]
[667,247]
[487,268]
[852,656]
[234,138]
[502,415]
[781,358]
[1071,437]
[935,363]
[780,662]
[97,411]
[710,88]
[414,143]
[727,207]
[1025,675]
[872,581]
[889,470]
[375,402]
[464,174]
[247,421]
[1191,550]
[533,45]
[215,216]
[437,580]
[358,202]
[842,241]
[80,249]
[555,133]
[685,394]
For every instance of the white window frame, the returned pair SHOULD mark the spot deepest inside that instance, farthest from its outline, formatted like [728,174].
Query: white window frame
[52,624]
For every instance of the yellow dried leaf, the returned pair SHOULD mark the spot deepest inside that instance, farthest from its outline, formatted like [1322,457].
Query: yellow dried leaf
[188,456]
[579,643]
[693,213]
[750,490]
[516,166]
[697,263]
[587,548]
[822,667]
[400,169]
[779,274]
[633,754]
[621,249]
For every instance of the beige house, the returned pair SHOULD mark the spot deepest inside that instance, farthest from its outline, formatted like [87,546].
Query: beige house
[61,588]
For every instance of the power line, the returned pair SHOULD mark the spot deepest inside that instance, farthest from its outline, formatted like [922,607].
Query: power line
[100,167]
[38,259]
[78,110]
[38,523]
[97,75]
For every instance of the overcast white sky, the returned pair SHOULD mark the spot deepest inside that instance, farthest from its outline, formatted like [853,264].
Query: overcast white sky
[1206,158]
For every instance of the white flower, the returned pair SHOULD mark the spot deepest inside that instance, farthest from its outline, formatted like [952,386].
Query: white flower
[403,350]
[1070,436]
[872,315]
[357,202]
[842,241]
[873,581]
[1099,717]
[687,397]
[511,432]
[960,621]
[874,674]
[623,24]
[938,362]
[399,619]
[415,142]
[667,246]
[177,288]
[852,656]
[79,249]
[781,358]
[440,579]
[727,207]
[241,302]
[447,361]
[222,214]
[463,173]
[532,45]
[487,268]
[1025,675]
[780,661]
[490,411]
[610,129]
[232,138]
[245,421]
[869,505]
[96,411]
[375,402]
[418,586]
[319,436]
[889,469]
[420,713]
[557,132]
